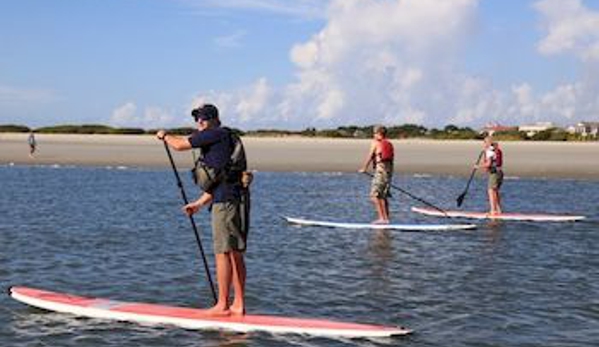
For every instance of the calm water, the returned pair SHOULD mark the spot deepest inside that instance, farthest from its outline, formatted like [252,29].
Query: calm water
[119,234]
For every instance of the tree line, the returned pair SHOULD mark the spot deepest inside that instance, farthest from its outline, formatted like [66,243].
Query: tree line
[404,131]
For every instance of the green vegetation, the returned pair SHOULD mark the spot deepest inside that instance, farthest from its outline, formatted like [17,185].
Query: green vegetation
[394,132]
[87,129]
[10,128]
[184,131]
[271,133]
[512,135]
[452,132]
[404,131]
[550,135]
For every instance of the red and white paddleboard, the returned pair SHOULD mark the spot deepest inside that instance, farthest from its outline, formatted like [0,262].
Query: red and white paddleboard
[191,318]
[536,217]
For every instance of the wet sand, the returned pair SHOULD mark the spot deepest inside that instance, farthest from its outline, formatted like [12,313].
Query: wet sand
[522,159]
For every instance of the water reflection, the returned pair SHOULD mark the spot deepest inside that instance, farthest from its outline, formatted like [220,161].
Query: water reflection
[380,247]
[494,227]
[381,255]
[232,339]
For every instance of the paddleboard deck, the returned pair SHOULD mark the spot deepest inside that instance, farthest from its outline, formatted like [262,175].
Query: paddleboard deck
[504,216]
[191,318]
[402,227]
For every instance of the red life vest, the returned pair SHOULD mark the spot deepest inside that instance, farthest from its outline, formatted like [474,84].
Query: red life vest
[498,157]
[385,152]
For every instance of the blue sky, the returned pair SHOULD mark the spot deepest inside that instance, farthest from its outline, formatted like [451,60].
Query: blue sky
[295,64]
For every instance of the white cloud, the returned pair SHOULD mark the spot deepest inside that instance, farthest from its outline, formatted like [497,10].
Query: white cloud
[399,61]
[380,60]
[524,104]
[126,115]
[157,116]
[571,28]
[233,40]
[253,101]
[565,104]
[295,8]
[242,108]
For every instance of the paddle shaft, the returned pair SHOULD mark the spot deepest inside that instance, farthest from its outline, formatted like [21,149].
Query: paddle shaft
[192,221]
[413,196]
[463,195]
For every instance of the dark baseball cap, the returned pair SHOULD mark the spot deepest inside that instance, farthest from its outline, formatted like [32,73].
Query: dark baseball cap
[205,112]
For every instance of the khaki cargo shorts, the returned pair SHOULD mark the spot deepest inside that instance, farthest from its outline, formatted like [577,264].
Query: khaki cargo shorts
[226,227]
[381,183]
[495,180]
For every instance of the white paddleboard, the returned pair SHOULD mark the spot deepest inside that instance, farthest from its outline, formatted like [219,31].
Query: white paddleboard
[403,227]
[535,217]
[191,318]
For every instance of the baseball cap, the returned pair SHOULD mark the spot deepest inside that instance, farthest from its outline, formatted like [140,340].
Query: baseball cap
[205,112]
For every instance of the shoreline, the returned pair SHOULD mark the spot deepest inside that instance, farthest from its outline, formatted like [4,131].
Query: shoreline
[302,154]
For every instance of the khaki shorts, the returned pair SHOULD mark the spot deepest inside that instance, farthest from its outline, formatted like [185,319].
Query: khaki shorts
[226,228]
[381,182]
[495,180]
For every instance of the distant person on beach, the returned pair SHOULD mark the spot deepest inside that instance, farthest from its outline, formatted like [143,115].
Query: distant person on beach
[223,190]
[381,157]
[32,144]
[492,163]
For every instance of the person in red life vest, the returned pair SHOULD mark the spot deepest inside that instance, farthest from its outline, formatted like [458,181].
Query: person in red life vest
[381,157]
[492,163]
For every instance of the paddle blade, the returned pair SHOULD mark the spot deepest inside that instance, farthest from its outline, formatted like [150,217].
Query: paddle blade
[460,199]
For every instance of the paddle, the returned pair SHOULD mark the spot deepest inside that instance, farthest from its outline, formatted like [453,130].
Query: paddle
[413,196]
[193,223]
[460,199]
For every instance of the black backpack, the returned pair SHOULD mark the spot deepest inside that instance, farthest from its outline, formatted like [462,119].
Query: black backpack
[208,177]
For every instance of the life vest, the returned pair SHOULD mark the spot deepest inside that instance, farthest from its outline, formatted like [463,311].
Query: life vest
[498,158]
[208,177]
[385,151]
[495,156]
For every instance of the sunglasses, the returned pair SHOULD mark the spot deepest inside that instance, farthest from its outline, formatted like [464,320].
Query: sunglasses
[195,114]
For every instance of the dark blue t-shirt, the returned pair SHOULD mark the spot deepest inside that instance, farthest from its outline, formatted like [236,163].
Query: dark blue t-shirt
[216,149]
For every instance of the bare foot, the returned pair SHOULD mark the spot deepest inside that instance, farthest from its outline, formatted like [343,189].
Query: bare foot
[237,308]
[218,311]
[237,311]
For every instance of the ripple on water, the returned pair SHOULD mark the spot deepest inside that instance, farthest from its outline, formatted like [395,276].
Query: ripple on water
[120,234]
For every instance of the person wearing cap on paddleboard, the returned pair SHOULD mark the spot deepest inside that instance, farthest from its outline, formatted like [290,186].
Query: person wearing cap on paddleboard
[381,157]
[492,163]
[222,197]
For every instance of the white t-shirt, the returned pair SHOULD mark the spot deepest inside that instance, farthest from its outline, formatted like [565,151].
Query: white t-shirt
[490,153]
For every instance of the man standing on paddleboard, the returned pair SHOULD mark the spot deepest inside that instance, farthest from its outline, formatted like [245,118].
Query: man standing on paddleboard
[492,163]
[381,157]
[222,196]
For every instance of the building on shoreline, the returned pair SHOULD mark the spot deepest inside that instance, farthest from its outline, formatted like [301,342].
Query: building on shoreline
[533,129]
[584,129]
[492,128]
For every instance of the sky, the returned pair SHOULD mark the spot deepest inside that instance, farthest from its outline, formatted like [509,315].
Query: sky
[293,64]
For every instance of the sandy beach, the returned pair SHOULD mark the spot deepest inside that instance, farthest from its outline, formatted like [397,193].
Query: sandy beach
[522,159]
